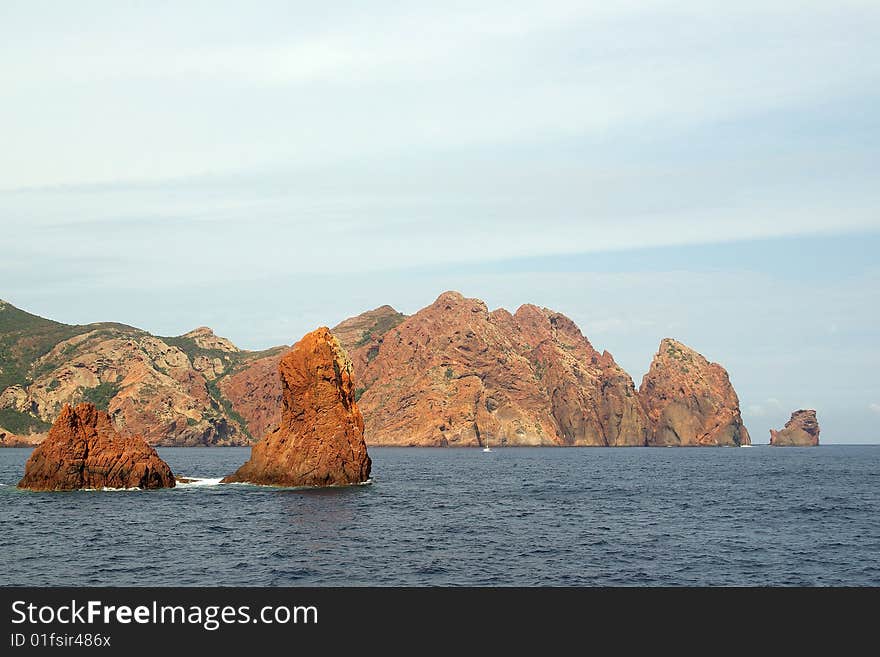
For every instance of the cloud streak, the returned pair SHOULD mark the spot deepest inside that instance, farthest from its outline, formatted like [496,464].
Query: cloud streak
[147,96]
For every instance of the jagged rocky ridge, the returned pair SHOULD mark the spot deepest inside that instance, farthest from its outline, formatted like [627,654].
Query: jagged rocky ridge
[455,373]
[452,374]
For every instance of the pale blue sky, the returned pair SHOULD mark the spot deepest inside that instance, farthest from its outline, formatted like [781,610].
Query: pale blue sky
[649,168]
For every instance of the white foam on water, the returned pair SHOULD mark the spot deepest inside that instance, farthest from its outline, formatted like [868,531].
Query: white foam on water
[110,489]
[199,481]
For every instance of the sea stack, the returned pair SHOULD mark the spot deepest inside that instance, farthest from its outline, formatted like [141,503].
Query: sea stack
[84,450]
[690,401]
[802,430]
[320,439]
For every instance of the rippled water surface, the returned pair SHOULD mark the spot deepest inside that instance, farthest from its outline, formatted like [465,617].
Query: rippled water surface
[760,516]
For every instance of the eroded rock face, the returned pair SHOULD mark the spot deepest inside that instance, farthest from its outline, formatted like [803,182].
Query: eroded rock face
[802,430]
[690,401]
[84,450]
[455,374]
[320,439]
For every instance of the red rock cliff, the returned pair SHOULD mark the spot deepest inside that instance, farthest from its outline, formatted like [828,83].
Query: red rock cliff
[83,450]
[320,439]
[690,401]
[456,374]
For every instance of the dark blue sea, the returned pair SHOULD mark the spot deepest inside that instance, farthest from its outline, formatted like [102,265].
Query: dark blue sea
[516,516]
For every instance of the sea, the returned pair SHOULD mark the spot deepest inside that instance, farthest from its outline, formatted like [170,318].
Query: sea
[532,517]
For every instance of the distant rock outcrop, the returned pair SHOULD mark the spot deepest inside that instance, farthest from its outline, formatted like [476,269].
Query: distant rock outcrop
[690,401]
[205,338]
[802,430]
[83,450]
[9,439]
[320,439]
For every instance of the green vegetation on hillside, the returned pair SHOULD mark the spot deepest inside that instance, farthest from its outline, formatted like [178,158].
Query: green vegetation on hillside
[101,395]
[23,339]
[21,423]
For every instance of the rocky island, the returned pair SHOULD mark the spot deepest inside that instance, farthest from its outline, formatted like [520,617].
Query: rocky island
[802,430]
[320,439]
[84,451]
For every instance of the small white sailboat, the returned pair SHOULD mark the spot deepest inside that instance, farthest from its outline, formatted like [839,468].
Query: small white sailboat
[487,448]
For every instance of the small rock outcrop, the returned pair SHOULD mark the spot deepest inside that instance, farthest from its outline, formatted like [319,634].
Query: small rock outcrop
[690,401]
[205,338]
[802,430]
[320,439]
[84,450]
[9,439]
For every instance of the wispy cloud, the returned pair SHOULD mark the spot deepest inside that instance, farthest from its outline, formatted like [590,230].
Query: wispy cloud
[770,406]
[191,94]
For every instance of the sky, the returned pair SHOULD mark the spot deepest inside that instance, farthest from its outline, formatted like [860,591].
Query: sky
[708,171]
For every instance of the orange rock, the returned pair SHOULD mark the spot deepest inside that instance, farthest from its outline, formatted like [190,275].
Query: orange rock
[802,430]
[454,374]
[320,439]
[690,401]
[83,450]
